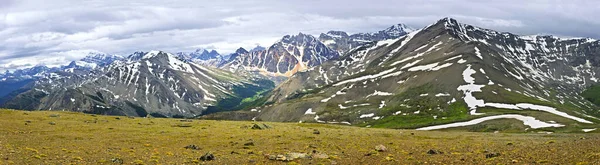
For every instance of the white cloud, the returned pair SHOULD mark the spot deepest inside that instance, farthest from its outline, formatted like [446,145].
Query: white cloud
[31,31]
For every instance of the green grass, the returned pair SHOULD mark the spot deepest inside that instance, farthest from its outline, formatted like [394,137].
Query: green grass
[455,112]
[249,95]
[592,94]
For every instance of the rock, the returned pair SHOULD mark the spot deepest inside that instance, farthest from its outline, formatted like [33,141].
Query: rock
[186,120]
[27,121]
[260,126]
[492,155]
[371,153]
[281,158]
[192,147]
[117,118]
[389,158]
[117,160]
[207,157]
[131,117]
[249,144]
[316,132]
[434,152]
[296,155]
[182,125]
[320,156]
[515,161]
[380,148]
[52,123]
[54,115]
[286,158]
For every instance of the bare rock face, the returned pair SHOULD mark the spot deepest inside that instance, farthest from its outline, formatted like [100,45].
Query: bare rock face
[291,54]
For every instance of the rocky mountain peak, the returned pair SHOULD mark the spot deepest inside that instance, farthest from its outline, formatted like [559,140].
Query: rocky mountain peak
[241,51]
[257,48]
[137,56]
[336,34]
[398,30]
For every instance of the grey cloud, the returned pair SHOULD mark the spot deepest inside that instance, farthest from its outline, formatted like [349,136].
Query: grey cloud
[6,3]
[30,30]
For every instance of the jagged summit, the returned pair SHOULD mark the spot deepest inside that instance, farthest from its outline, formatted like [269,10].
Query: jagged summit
[335,34]
[300,38]
[140,55]
[241,51]
[342,42]
[257,48]
[398,29]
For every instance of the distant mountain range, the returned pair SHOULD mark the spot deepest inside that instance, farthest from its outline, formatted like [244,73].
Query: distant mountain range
[442,76]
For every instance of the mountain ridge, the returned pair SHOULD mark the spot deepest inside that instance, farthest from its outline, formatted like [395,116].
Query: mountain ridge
[332,93]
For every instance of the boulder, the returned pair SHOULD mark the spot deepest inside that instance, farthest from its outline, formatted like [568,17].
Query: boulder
[207,157]
[380,148]
[192,147]
[260,126]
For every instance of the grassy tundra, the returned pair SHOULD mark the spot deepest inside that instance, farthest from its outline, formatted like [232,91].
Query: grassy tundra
[50,137]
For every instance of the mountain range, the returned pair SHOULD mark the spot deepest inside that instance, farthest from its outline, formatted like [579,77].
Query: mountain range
[443,76]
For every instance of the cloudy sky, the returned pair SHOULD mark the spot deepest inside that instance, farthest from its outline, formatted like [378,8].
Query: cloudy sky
[36,32]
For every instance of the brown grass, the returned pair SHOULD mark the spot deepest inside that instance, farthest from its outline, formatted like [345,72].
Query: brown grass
[85,139]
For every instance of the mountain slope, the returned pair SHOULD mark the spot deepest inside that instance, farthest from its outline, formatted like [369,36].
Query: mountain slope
[153,83]
[444,73]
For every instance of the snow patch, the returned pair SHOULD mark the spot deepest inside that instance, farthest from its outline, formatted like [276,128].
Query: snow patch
[478,53]
[382,104]
[379,93]
[310,112]
[551,110]
[527,120]
[588,130]
[366,115]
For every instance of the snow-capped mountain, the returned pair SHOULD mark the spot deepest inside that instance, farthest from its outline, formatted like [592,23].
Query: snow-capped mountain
[28,73]
[147,83]
[93,60]
[12,81]
[203,57]
[342,42]
[287,56]
[448,75]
